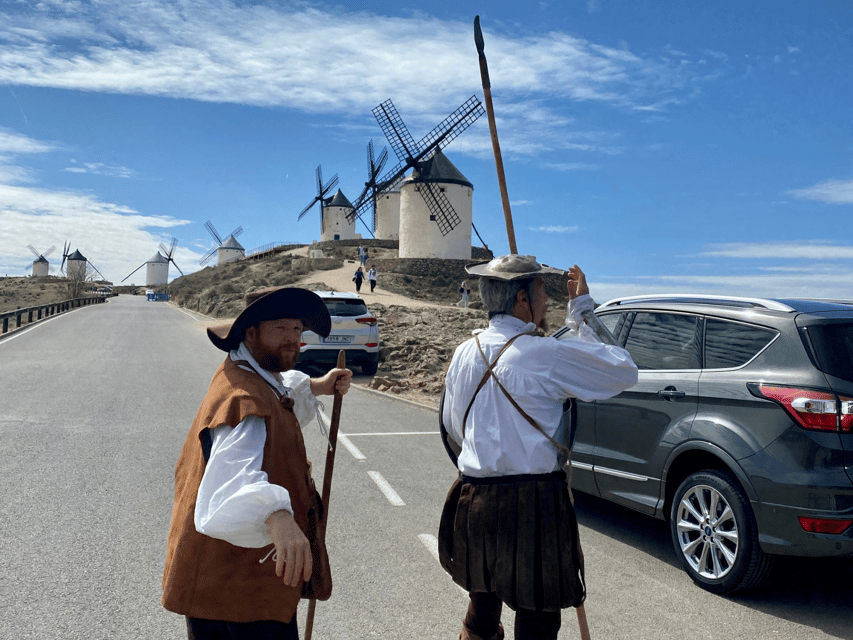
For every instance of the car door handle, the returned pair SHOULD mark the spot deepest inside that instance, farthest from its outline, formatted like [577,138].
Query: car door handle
[671,393]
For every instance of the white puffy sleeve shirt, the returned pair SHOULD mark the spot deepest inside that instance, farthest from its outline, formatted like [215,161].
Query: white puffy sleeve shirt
[235,497]
[540,374]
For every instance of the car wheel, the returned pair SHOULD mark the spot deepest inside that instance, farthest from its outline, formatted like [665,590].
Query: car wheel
[369,368]
[715,535]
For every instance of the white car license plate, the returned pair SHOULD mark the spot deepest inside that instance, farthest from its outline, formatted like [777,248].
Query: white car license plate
[338,340]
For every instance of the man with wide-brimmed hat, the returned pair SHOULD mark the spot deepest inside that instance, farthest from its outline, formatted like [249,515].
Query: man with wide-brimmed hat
[508,532]
[247,538]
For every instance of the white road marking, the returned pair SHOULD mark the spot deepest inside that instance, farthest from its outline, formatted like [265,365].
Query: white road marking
[431,544]
[358,455]
[383,485]
[398,433]
[187,314]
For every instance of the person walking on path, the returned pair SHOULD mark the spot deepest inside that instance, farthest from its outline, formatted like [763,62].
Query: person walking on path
[361,255]
[358,278]
[464,290]
[371,275]
[247,537]
[508,532]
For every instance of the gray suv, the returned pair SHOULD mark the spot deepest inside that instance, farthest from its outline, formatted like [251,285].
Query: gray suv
[739,430]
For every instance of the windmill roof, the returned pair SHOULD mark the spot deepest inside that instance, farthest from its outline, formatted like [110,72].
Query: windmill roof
[440,169]
[158,257]
[231,243]
[77,256]
[40,259]
[339,200]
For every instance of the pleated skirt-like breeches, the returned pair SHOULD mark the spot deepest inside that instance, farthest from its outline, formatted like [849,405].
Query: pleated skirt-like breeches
[516,537]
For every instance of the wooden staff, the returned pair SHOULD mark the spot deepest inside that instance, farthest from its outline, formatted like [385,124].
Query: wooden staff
[510,232]
[490,110]
[327,475]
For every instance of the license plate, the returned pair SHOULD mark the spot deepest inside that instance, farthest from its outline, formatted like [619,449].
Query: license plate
[338,340]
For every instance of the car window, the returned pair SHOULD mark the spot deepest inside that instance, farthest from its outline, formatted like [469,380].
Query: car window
[664,341]
[732,344]
[615,322]
[346,308]
[833,346]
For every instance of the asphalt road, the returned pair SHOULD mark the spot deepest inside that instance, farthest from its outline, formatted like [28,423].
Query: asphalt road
[94,407]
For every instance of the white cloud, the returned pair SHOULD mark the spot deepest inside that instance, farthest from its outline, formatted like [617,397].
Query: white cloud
[555,229]
[571,166]
[831,192]
[100,168]
[811,250]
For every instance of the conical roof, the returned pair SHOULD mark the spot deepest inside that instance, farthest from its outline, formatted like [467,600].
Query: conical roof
[339,200]
[231,243]
[439,169]
[158,257]
[40,259]
[77,256]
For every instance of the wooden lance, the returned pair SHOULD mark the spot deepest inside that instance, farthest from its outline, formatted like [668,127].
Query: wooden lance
[510,231]
[327,475]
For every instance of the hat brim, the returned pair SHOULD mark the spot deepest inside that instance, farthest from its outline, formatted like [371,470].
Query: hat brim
[288,302]
[481,270]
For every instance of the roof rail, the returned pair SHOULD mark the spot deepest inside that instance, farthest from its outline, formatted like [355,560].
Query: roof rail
[692,298]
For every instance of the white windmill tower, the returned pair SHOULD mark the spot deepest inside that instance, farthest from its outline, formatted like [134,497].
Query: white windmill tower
[40,266]
[435,201]
[337,217]
[226,250]
[77,265]
[157,268]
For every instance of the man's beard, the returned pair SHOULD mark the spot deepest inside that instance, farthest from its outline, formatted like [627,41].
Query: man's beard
[280,360]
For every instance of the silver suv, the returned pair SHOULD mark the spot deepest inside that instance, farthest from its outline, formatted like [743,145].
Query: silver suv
[354,329]
[739,430]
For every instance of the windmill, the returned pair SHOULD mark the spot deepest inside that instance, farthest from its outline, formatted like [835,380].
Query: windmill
[336,217]
[157,272]
[79,267]
[228,250]
[412,154]
[66,251]
[40,266]
[371,190]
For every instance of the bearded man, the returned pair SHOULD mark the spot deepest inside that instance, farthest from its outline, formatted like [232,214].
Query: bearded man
[247,538]
[508,532]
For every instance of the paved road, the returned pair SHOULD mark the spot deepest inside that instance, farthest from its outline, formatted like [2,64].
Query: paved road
[95,405]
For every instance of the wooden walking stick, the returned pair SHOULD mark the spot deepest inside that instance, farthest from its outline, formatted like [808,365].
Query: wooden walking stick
[327,475]
[510,231]
[490,110]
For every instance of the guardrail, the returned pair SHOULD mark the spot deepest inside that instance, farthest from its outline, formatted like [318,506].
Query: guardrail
[270,249]
[45,310]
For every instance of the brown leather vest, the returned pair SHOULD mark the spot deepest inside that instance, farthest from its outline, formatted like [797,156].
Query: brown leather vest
[210,578]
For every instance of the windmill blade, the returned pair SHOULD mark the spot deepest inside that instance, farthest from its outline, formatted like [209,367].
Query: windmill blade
[454,124]
[308,208]
[35,253]
[441,210]
[167,253]
[212,230]
[374,167]
[395,131]
[49,251]
[176,265]
[66,249]
[135,270]
[163,250]
[331,184]
[207,256]
[172,246]
[96,270]
[236,232]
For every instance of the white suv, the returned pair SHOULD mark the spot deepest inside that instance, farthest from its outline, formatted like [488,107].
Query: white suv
[354,329]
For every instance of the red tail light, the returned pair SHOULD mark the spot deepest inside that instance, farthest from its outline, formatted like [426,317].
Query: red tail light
[370,321]
[824,525]
[811,409]
[372,344]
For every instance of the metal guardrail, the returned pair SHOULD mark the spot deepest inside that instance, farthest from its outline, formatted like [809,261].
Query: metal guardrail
[273,247]
[45,310]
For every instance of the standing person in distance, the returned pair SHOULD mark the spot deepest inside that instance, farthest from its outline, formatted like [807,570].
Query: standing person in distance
[247,538]
[508,532]
[464,290]
[371,275]
[358,278]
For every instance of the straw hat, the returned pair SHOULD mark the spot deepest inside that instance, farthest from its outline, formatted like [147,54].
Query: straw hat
[510,267]
[273,304]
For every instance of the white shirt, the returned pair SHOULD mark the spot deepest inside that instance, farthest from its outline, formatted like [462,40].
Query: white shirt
[539,373]
[371,275]
[235,497]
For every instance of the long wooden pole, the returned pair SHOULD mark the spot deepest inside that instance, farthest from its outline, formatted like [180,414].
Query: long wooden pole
[510,231]
[337,403]
[490,110]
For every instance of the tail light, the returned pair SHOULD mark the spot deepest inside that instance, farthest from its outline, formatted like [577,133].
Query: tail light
[810,408]
[368,321]
[372,344]
[824,525]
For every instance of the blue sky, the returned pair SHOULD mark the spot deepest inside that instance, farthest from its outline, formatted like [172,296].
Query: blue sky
[664,146]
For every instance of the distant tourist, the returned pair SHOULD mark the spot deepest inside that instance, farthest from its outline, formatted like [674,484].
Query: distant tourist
[365,257]
[361,258]
[371,275]
[358,278]
[464,290]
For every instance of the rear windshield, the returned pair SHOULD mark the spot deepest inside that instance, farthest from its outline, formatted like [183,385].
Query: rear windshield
[833,346]
[346,307]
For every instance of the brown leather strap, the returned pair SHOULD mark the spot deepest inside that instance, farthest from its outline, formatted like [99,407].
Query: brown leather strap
[562,450]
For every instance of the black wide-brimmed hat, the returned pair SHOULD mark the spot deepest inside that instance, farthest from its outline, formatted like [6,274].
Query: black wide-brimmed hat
[273,304]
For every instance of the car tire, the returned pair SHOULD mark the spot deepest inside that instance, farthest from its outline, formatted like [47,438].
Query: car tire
[715,535]
[369,368]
